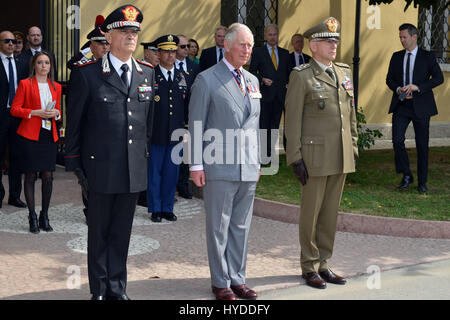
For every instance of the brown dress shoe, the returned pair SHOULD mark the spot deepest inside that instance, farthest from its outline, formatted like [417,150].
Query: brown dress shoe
[223,293]
[331,277]
[314,280]
[244,292]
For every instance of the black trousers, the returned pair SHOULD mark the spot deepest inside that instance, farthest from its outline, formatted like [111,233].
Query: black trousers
[400,122]
[109,231]
[269,118]
[8,137]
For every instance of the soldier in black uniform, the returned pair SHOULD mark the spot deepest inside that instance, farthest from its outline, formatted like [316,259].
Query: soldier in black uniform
[109,123]
[97,44]
[171,101]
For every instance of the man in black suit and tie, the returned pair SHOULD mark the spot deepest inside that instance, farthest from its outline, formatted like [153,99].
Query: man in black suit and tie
[297,57]
[12,70]
[190,70]
[270,64]
[213,55]
[34,38]
[412,75]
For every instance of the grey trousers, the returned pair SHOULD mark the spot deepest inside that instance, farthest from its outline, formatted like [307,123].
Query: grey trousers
[229,210]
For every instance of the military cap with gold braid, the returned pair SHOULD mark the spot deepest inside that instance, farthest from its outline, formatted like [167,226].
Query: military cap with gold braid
[168,42]
[329,28]
[125,17]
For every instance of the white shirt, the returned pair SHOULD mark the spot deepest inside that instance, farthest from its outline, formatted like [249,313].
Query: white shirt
[177,64]
[299,57]
[33,51]
[166,75]
[117,64]
[5,62]
[218,53]
[412,59]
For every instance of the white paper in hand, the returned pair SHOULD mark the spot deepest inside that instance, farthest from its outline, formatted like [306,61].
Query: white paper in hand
[50,106]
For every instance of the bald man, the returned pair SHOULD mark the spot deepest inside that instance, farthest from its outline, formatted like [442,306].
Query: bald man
[35,38]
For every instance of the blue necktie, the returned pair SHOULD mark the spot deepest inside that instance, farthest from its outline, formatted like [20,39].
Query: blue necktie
[12,82]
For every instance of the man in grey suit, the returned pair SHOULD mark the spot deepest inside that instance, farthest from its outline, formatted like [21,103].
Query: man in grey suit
[223,122]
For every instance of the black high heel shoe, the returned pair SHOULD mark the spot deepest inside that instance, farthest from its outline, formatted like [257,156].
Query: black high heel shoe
[32,218]
[44,224]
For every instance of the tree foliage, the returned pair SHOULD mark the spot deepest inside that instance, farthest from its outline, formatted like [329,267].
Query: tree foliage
[423,3]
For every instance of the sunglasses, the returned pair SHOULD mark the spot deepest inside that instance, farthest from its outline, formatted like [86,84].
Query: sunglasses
[6,41]
[184,46]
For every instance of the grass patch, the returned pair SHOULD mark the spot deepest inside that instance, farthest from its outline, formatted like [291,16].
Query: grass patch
[372,190]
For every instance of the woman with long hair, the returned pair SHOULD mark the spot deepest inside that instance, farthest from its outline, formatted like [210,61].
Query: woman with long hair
[37,102]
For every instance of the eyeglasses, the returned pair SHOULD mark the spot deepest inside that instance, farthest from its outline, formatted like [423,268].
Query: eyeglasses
[329,41]
[6,41]
[184,46]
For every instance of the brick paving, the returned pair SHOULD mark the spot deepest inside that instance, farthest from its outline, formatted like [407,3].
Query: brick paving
[168,261]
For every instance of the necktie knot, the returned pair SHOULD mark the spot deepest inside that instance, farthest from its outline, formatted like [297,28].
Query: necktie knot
[125,67]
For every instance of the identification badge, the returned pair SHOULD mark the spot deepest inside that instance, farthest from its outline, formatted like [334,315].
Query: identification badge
[47,124]
[144,88]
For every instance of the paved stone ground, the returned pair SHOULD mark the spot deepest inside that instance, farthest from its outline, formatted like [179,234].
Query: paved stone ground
[168,261]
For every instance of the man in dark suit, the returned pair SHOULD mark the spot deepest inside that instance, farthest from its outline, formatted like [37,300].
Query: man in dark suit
[297,57]
[190,70]
[12,70]
[412,75]
[270,64]
[213,55]
[34,38]
[109,123]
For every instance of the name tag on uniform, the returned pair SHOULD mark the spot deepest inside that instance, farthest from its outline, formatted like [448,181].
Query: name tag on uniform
[254,92]
[144,88]
[47,124]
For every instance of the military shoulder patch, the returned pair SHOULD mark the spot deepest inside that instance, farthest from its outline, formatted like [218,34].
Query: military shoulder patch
[82,63]
[343,65]
[145,63]
[302,67]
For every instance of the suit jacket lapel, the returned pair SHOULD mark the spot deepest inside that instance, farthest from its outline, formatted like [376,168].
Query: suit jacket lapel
[226,77]
[137,79]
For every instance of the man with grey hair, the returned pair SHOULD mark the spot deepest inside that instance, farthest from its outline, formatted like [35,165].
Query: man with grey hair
[213,55]
[225,98]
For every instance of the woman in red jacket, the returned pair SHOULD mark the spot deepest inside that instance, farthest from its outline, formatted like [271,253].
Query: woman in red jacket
[37,102]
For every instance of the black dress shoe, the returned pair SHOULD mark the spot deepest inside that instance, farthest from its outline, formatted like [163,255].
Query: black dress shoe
[95,297]
[16,203]
[156,217]
[185,194]
[117,298]
[314,280]
[331,277]
[406,181]
[422,188]
[169,216]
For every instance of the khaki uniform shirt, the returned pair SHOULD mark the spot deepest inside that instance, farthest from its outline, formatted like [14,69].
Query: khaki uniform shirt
[321,120]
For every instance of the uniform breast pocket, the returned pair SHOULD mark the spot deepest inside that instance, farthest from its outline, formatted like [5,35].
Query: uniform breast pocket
[319,102]
[144,96]
[313,149]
